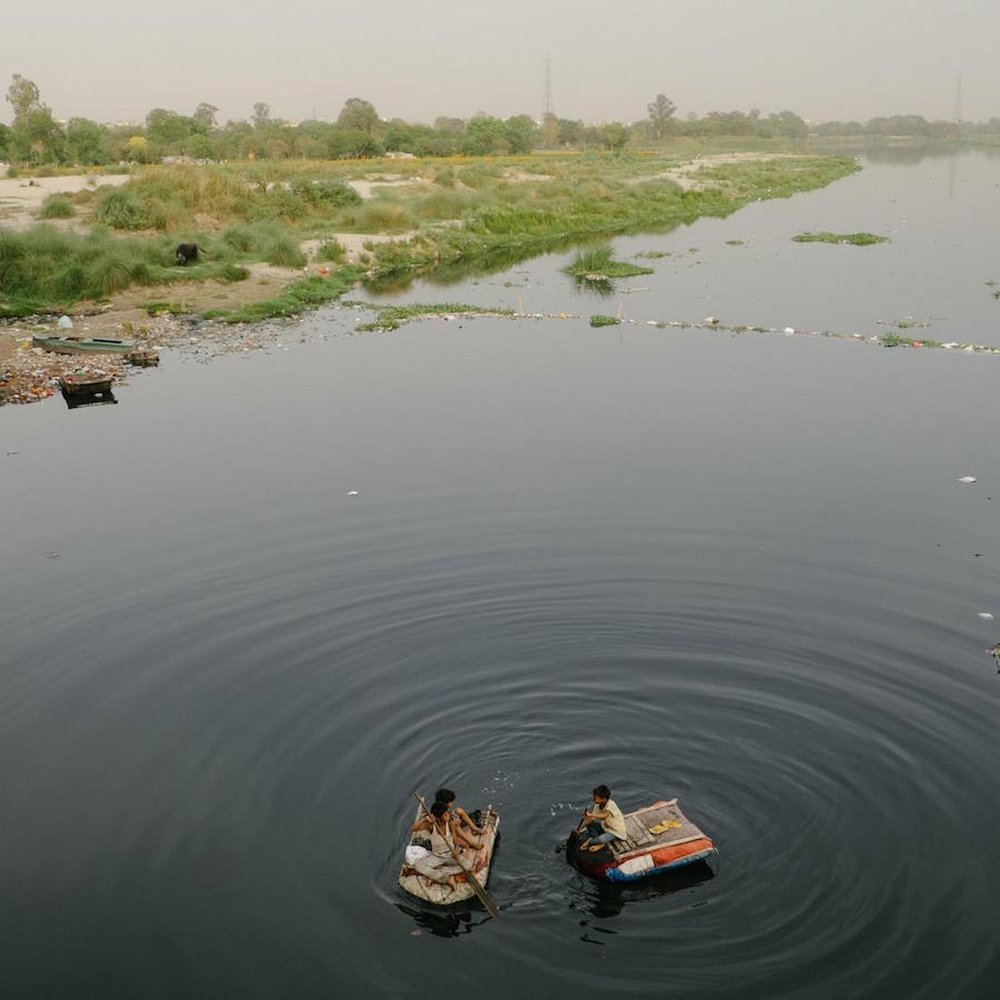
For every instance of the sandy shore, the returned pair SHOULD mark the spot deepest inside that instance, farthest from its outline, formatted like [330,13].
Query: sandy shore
[21,198]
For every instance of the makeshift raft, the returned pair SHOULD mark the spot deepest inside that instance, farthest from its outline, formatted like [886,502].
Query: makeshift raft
[429,879]
[660,838]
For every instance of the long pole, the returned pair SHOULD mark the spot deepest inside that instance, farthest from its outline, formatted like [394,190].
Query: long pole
[484,897]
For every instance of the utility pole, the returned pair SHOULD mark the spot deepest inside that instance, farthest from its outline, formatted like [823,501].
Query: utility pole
[547,99]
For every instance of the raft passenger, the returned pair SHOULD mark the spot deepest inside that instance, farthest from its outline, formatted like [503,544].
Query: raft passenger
[605,824]
[465,829]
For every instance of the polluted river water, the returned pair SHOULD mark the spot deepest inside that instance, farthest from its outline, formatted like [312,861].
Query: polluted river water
[247,612]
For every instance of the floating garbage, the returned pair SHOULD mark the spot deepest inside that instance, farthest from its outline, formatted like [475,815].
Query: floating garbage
[985,615]
[352,493]
[994,651]
[967,479]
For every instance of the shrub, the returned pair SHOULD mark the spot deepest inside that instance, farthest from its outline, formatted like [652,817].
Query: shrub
[233,272]
[327,192]
[332,251]
[110,273]
[285,252]
[120,209]
[57,206]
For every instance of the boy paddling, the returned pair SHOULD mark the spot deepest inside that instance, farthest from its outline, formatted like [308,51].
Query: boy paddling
[605,823]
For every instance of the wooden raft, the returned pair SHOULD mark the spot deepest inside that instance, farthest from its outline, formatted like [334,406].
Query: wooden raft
[671,827]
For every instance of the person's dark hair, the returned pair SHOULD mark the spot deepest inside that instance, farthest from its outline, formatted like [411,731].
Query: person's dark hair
[439,809]
[444,795]
[602,792]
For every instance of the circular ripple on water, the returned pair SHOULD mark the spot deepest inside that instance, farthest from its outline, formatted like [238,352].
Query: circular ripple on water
[296,706]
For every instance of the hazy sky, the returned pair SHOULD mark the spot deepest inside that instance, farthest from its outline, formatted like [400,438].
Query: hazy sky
[415,60]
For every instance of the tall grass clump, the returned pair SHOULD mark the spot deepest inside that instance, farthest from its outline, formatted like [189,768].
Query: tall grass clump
[57,206]
[382,215]
[327,191]
[45,267]
[332,251]
[122,209]
[267,240]
[599,263]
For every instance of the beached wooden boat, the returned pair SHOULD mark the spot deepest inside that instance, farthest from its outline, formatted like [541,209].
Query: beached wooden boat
[660,838]
[74,345]
[431,879]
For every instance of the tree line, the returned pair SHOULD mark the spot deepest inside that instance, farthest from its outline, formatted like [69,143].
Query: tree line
[36,138]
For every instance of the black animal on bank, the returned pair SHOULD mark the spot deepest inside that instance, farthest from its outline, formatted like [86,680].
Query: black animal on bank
[187,253]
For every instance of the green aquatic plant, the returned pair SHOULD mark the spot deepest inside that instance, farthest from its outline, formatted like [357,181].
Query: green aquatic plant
[392,317]
[895,340]
[599,320]
[598,264]
[854,239]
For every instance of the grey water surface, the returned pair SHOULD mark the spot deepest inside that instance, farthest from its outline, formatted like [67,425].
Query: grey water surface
[248,611]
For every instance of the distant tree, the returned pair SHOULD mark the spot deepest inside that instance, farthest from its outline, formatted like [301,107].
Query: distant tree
[484,134]
[787,123]
[400,136]
[521,134]
[570,132]
[360,115]
[86,141]
[167,128]
[35,136]
[453,126]
[261,114]
[352,143]
[660,112]
[139,150]
[205,114]
[23,96]
[615,135]
[201,148]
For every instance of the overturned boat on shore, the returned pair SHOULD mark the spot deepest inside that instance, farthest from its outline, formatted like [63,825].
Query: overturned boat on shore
[660,839]
[442,881]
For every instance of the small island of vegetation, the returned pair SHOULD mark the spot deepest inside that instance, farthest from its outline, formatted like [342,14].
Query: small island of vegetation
[852,239]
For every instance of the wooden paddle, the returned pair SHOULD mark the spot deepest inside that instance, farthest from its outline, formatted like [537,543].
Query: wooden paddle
[484,897]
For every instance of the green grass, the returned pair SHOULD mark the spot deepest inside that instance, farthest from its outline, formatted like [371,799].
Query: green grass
[467,215]
[173,308]
[598,264]
[895,340]
[332,251]
[393,317]
[854,239]
[300,296]
[598,320]
[57,206]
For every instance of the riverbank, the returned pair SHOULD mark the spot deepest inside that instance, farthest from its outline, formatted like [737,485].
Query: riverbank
[276,240]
